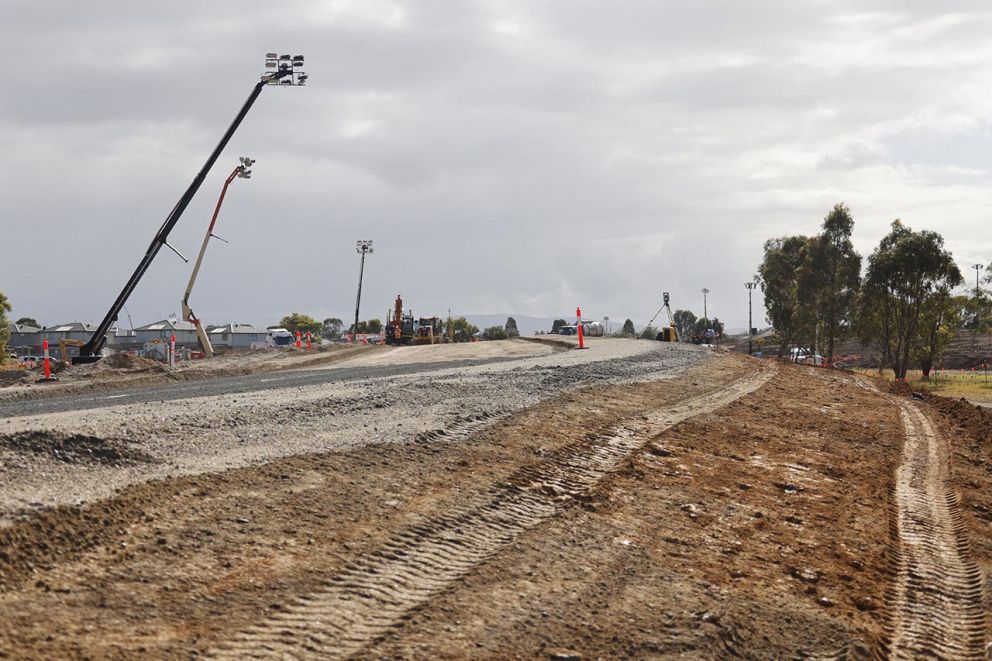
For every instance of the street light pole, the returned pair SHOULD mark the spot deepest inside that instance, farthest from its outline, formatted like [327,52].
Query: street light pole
[977,267]
[706,318]
[750,328]
[362,248]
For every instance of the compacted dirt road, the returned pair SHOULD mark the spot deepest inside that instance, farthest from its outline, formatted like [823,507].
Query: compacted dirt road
[634,500]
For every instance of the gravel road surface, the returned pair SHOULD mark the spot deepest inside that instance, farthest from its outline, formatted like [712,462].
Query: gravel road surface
[53,453]
[226,386]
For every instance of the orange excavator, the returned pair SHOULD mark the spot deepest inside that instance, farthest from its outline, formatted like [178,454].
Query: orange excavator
[405,329]
[394,326]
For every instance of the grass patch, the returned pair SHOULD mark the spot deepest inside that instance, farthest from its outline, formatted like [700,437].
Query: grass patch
[969,384]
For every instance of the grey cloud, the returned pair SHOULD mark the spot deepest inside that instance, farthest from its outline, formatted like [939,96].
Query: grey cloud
[505,157]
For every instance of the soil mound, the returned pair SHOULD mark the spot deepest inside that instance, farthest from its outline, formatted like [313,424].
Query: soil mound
[124,361]
[73,448]
[976,421]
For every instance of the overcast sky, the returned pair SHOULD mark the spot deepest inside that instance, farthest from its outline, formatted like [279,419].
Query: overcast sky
[505,157]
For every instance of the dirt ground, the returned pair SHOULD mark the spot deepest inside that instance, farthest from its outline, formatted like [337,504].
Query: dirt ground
[970,429]
[727,511]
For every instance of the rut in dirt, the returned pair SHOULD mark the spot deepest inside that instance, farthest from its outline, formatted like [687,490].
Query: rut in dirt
[373,595]
[935,605]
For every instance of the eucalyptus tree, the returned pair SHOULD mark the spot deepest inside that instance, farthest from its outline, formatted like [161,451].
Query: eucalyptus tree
[829,279]
[778,274]
[908,273]
[5,307]
[685,323]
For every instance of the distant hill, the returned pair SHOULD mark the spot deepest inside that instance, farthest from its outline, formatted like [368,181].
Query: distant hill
[527,325]
[962,353]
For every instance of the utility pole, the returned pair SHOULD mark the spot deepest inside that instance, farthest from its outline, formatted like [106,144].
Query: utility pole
[362,248]
[750,328]
[977,267]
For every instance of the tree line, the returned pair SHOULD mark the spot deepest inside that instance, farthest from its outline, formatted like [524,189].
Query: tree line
[332,328]
[903,303]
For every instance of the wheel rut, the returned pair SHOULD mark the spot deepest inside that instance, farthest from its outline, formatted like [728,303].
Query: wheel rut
[935,604]
[374,594]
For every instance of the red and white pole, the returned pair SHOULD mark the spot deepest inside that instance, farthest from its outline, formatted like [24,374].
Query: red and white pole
[48,364]
[308,340]
[578,325]
[299,340]
[172,351]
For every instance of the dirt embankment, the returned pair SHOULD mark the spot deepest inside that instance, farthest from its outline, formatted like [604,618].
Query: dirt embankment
[758,528]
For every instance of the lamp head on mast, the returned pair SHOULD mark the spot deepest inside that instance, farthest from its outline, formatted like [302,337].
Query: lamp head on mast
[284,70]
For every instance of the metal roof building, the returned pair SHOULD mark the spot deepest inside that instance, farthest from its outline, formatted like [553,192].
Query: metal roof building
[24,337]
[163,330]
[237,336]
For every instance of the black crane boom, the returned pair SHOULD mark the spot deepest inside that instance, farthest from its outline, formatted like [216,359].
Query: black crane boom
[90,352]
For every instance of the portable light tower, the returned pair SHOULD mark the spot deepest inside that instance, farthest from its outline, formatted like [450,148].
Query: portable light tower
[287,71]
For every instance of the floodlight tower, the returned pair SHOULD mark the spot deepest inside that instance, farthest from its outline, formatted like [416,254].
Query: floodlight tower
[242,171]
[362,248]
[706,319]
[287,70]
[977,267]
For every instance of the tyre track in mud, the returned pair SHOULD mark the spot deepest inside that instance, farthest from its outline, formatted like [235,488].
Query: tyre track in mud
[935,605]
[374,594]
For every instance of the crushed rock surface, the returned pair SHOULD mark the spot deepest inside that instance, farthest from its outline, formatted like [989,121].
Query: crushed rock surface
[200,435]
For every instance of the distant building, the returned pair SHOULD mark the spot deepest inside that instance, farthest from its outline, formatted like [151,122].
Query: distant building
[163,331]
[74,330]
[24,339]
[237,336]
[122,339]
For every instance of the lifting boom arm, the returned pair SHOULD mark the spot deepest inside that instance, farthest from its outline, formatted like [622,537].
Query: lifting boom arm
[91,350]
[201,333]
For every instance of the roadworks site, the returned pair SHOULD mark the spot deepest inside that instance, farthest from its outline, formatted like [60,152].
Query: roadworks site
[512,499]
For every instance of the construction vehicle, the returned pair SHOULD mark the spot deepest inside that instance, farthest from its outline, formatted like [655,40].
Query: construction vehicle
[669,333]
[240,172]
[428,330]
[404,329]
[64,345]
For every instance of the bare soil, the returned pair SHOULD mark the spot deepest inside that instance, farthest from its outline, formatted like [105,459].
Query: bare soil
[969,430]
[703,515]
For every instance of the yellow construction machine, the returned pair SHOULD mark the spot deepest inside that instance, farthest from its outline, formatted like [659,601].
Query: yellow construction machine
[64,345]
[668,333]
